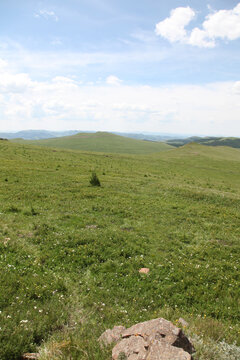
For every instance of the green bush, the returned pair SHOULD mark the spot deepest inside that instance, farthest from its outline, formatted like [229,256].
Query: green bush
[94,181]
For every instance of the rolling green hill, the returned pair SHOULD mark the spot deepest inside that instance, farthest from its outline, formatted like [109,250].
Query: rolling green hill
[70,253]
[101,142]
[209,141]
[198,151]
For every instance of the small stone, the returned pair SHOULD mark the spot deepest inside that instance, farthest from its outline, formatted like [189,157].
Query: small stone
[144,270]
[91,227]
[31,356]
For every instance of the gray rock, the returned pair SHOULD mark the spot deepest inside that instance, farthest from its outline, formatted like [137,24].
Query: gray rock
[111,336]
[160,350]
[183,322]
[158,329]
[157,339]
[134,348]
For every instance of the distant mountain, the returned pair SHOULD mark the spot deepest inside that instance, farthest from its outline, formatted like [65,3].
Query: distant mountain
[150,137]
[101,142]
[37,134]
[209,141]
[45,134]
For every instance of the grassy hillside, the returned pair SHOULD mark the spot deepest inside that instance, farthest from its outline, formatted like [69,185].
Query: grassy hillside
[102,142]
[209,141]
[70,252]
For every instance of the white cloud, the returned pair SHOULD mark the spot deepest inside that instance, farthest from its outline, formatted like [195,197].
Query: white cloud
[63,79]
[16,83]
[199,38]
[3,64]
[236,87]
[113,80]
[143,36]
[45,62]
[62,103]
[222,24]
[173,28]
[46,14]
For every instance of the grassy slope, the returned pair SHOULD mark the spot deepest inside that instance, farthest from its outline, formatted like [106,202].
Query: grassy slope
[210,141]
[176,213]
[230,141]
[102,142]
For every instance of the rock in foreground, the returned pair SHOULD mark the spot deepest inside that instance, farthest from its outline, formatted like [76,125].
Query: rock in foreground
[156,339]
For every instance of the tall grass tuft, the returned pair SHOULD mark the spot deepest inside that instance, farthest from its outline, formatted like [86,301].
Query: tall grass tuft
[94,180]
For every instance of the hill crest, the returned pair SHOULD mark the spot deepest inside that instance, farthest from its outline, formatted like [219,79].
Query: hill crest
[101,142]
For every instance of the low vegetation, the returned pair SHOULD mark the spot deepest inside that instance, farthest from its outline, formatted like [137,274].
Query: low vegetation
[101,142]
[70,252]
[94,180]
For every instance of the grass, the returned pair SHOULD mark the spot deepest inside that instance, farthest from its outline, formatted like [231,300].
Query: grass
[210,141]
[70,252]
[101,142]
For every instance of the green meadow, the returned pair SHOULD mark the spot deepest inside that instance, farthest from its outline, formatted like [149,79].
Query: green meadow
[70,253]
[101,142]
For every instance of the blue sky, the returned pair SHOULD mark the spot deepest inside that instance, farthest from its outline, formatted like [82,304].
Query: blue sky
[120,65]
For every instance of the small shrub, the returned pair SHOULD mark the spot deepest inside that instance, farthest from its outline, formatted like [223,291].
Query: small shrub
[32,212]
[94,181]
[13,209]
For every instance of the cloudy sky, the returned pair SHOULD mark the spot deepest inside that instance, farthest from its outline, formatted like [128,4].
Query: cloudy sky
[118,65]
